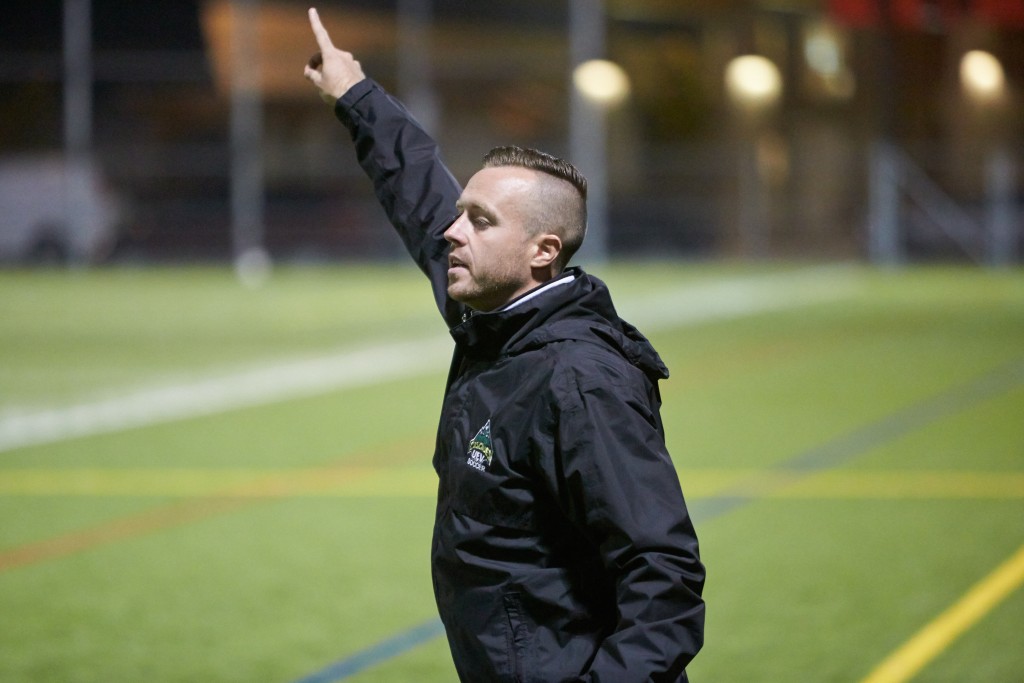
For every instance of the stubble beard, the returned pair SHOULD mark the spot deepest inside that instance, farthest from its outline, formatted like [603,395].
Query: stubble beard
[485,293]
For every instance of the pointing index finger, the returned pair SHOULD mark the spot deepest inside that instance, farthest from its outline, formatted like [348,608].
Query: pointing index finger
[322,38]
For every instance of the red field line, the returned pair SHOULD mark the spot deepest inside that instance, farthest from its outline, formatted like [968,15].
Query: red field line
[179,513]
[120,529]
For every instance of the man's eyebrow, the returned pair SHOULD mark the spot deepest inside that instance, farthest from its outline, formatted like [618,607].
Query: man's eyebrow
[462,205]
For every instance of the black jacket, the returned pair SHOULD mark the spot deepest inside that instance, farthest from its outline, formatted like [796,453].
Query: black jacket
[562,547]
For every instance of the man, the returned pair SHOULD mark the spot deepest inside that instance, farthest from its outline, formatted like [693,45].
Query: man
[562,547]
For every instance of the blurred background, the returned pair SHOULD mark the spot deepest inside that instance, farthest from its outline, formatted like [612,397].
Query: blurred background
[183,131]
[203,481]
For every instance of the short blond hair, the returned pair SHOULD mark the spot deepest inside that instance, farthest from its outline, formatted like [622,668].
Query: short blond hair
[561,208]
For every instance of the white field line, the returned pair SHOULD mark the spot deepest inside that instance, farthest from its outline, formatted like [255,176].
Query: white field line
[367,365]
[738,297]
[275,382]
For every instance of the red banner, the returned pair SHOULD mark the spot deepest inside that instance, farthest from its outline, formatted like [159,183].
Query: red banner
[926,14]
[1005,12]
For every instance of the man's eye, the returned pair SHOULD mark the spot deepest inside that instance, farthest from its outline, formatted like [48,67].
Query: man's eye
[481,222]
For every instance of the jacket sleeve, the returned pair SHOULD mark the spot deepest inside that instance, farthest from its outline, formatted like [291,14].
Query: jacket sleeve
[411,181]
[618,486]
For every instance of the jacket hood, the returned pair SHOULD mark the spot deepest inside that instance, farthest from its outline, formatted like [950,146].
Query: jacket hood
[581,310]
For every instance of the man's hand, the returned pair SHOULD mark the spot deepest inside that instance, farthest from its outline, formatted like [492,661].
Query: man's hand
[331,70]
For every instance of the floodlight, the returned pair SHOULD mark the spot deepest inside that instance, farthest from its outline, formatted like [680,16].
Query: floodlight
[753,80]
[981,75]
[602,82]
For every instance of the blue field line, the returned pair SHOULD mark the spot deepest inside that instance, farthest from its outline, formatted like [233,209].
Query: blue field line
[889,428]
[830,454]
[375,654]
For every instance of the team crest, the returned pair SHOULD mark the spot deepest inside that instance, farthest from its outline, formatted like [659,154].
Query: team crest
[480,451]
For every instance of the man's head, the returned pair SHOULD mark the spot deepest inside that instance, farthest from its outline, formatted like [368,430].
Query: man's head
[522,217]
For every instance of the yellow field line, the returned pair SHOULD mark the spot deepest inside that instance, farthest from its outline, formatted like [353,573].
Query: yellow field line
[420,480]
[243,483]
[207,493]
[904,485]
[933,639]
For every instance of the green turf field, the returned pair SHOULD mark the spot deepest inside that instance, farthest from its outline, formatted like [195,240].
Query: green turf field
[202,482]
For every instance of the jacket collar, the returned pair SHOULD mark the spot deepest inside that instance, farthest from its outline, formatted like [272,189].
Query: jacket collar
[563,279]
[574,306]
[487,335]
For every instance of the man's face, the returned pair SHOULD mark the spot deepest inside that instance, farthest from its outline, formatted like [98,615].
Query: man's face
[491,248]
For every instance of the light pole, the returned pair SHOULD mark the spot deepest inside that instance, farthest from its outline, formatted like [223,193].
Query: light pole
[77,116]
[252,262]
[588,129]
[598,84]
[983,82]
[415,78]
[754,85]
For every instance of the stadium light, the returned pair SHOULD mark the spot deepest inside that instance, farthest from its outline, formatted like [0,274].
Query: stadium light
[981,75]
[821,50]
[753,81]
[824,56]
[601,81]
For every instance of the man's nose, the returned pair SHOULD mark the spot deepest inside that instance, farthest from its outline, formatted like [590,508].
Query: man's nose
[455,233]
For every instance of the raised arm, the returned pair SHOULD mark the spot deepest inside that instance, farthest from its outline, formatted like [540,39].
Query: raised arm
[331,70]
[411,181]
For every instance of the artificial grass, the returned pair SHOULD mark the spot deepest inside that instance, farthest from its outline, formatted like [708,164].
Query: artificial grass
[811,587]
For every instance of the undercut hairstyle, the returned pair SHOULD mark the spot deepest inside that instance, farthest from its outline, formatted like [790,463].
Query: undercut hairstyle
[561,206]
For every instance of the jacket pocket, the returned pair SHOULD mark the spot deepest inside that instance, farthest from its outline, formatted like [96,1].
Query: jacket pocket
[518,634]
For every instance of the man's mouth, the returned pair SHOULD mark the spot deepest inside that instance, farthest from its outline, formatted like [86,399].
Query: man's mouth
[454,263]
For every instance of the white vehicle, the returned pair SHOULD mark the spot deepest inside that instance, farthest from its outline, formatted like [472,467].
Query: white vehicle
[44,217]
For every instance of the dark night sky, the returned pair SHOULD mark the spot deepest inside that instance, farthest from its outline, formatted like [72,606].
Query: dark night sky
[174,24]
[117,25]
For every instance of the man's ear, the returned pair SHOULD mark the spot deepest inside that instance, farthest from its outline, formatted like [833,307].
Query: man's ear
[547,247]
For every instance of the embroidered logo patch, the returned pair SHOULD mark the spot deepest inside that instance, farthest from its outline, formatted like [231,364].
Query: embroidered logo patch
[480,451]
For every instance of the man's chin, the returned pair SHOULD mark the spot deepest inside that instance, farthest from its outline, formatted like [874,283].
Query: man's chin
[458,293]
[467,297]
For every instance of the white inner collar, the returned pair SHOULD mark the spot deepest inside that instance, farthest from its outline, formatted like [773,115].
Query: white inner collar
[564,280]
